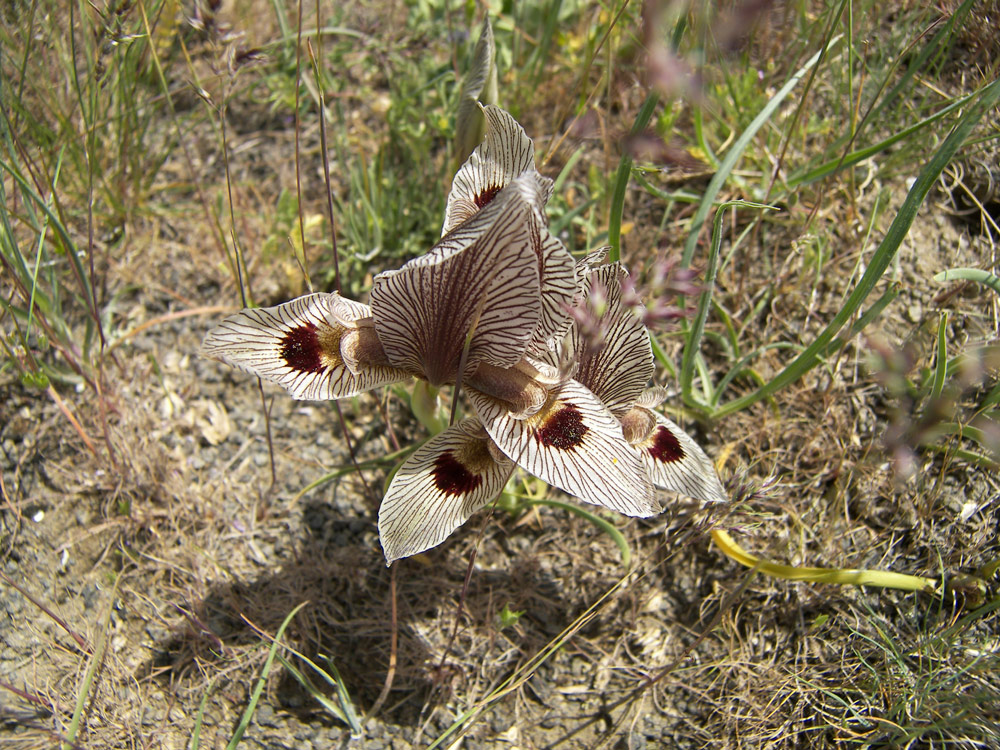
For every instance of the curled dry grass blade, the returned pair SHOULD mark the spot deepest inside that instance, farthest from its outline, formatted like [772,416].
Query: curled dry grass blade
[847,576]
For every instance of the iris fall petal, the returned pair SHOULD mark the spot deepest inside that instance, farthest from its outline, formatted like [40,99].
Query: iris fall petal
[574,443]
[673,460]
[298,346]
[438,488]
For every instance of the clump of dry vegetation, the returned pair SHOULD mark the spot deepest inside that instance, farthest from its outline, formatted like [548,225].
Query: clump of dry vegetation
[826,169]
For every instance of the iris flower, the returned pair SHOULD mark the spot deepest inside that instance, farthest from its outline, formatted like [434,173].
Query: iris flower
[487,309]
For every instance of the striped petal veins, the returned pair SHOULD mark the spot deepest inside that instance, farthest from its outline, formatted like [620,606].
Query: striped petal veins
[672,459]
[618,370]
[475,295]
[318,347]
[438,488]
[506,155]
[574,443]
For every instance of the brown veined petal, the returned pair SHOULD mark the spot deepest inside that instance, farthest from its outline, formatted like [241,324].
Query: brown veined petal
[438,488]
[504,155]
[560,289]
[590,262]
[652,397]
[582,271]
[298,346]
[673,460]
[482,278]
[619,371]
[575,444]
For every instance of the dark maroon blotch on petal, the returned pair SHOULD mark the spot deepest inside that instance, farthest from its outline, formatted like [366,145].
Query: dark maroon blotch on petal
[665,448]
[486,195]
[452,478]
[300,349]
[564,430]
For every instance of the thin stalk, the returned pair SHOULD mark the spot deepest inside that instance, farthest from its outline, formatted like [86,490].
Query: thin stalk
[733,155]
[240,267]
[584,76]
[333,239]
[802,99]
[393,646]
[298,158]
[210,218]
[326,159]
[356,466]
[81,642]
[834,166]
[693,343]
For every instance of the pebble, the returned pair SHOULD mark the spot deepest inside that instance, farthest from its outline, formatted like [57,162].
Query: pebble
[264,715]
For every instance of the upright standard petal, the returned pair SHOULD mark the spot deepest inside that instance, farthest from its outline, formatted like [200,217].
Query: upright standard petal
[559,290]
[504,155]
[672,459]
[619,370]
[298,346]
[480,283]
[574,443]
[438,488]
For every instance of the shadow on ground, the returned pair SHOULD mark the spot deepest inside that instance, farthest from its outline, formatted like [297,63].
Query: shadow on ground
[349,618]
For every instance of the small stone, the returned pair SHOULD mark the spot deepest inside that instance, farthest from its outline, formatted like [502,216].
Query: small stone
[265,716]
